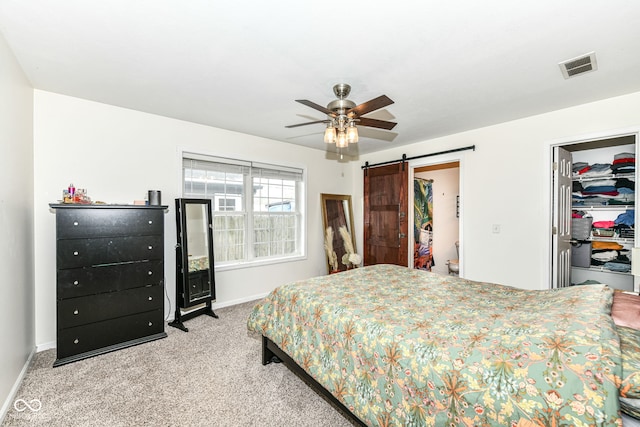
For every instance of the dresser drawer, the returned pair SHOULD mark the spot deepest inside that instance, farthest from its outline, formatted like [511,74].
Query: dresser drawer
[73,223]
[77,282]
[75,253]
[95,308]
[81,339]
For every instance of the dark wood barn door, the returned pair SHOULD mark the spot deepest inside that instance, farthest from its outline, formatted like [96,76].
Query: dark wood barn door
[386,215]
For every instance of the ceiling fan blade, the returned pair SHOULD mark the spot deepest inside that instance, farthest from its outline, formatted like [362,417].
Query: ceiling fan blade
[308,123]
[369,106]
[375,123]
[316,107]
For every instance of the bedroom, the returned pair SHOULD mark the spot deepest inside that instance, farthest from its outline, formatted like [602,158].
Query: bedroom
[115,153]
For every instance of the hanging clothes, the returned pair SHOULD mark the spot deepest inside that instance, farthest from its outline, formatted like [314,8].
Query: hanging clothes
[423,223]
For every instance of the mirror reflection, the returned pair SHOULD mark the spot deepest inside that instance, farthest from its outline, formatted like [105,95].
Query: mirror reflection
[339,237]
[197,242]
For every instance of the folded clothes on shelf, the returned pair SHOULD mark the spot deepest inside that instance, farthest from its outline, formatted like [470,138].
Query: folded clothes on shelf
[598,169]
[612,246]
[624,163]
[626,218]
[618,266]
[579,168]
[603,224]
[604,256]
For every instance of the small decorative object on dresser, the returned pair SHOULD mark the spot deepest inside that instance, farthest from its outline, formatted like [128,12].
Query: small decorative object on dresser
[110,278]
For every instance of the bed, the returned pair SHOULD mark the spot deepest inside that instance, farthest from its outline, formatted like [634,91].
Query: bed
[397,346]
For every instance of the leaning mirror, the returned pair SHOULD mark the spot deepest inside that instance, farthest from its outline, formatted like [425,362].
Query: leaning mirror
[195,280]
[339,237]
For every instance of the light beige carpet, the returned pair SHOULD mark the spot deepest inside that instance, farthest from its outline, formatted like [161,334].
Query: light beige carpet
[209,376]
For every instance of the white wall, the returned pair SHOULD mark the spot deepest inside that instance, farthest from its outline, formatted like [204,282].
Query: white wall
[505,181]
[16,225]
[119,154]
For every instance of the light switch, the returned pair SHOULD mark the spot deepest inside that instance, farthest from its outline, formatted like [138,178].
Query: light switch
[495,228]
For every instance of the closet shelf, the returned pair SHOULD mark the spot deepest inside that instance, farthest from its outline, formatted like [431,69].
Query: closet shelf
[621,240]
[582,178]
[612,239]
[602,269]
[602,207]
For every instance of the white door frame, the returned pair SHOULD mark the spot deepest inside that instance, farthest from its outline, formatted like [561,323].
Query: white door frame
[430,161]
[547,269]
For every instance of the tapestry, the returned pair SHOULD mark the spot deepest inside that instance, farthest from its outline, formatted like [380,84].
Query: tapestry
[423,223]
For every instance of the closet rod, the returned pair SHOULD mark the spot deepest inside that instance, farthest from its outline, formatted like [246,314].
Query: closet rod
[405,158]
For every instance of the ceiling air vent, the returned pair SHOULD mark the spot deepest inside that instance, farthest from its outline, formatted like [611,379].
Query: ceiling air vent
[580,65]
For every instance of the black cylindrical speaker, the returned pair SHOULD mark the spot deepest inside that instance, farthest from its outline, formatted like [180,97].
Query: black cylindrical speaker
[155,198]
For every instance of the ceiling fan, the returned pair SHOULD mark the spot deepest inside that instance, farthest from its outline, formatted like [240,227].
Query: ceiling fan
[343,115]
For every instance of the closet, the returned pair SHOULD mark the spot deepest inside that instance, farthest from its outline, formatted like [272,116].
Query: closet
[598,200]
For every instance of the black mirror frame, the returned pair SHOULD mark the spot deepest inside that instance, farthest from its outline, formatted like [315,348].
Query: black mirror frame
[183,289]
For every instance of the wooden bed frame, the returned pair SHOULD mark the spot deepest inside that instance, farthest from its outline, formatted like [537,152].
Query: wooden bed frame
[271,353]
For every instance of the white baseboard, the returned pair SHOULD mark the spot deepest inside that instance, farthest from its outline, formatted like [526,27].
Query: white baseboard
[217,305]
[16,386]
[239,301]
[45,346]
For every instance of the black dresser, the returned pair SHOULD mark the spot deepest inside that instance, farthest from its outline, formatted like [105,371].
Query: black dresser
[110,278]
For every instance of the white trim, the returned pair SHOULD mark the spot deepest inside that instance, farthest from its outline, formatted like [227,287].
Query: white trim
[548,146]
[16,386]
[240,300]
[258,262]
[458,156]
[216,306]
[302,201]
[215,159]
[45,346]
[184,149]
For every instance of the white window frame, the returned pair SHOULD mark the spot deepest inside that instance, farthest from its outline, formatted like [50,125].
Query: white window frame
[300,211]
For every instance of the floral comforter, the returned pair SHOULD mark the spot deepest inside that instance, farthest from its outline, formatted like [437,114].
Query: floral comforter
[407,347]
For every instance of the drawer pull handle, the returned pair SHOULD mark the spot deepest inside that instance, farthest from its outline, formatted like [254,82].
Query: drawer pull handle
[150,247]
[75,312]
[150,324]
[76,341]
[75,253]
[150,272]
[150,298]
[75,282]
[75,223]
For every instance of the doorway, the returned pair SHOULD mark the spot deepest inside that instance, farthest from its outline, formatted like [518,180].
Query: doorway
[593,212]
[386,208]
[389,211]
[436,231]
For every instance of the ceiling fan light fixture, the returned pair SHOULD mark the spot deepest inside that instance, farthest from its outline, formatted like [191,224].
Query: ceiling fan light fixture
[352,133]
[343,114]
[342,142]
[330,134]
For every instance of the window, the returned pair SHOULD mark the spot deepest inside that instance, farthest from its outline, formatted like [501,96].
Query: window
[256,207]
[226,204]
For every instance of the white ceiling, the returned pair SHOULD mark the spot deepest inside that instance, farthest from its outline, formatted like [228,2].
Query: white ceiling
[449,66]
